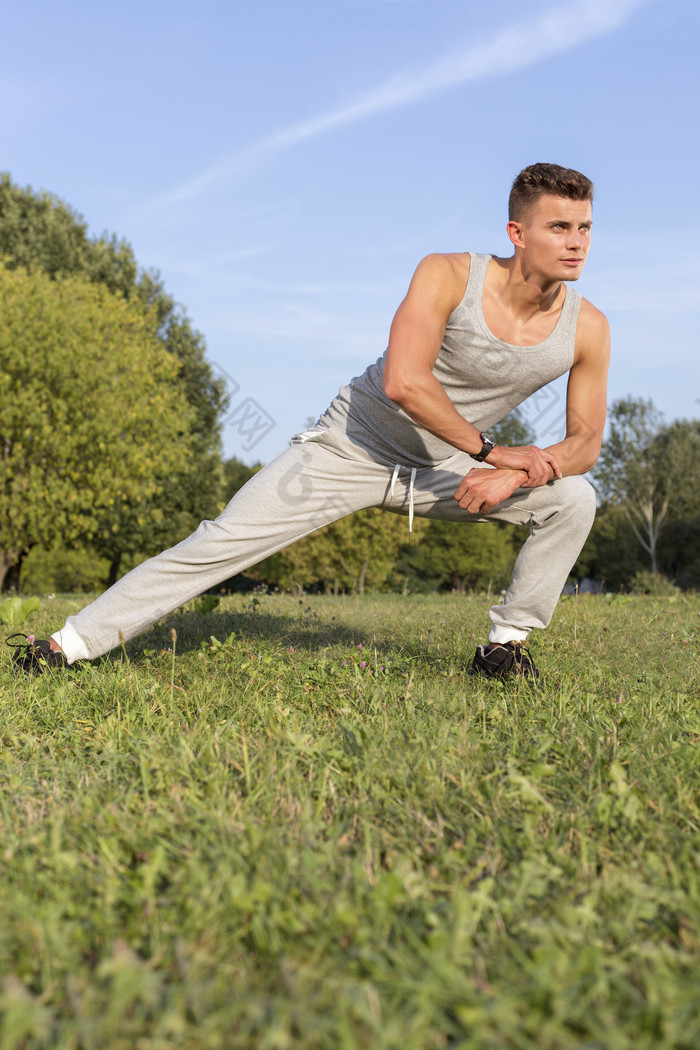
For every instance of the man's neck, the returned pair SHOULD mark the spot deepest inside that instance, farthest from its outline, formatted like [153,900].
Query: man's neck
[525,292]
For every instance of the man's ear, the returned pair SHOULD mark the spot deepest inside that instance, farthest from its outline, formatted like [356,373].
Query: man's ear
[516,233]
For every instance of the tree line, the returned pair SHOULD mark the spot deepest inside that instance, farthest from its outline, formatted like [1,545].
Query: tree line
[109,427]
[648,524]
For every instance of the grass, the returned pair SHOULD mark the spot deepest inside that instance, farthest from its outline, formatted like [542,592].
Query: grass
[308,827]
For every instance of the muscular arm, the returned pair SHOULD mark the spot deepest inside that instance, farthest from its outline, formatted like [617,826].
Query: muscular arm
[414,344]
[586,395]
[586,401]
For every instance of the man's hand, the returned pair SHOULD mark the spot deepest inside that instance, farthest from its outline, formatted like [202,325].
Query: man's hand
[539,465]
[483,488]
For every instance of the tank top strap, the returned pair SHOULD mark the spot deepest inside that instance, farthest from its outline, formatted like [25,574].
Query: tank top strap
[478,265]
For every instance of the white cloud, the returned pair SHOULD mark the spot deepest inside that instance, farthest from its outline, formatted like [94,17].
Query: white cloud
[512,49]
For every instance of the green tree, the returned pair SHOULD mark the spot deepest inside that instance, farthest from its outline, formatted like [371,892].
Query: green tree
[627,471]
[611,553]
[679,553]
[649,469]
[513,430]
[39,231]
[356,554]
[462,557]
[92,413]
[236,474]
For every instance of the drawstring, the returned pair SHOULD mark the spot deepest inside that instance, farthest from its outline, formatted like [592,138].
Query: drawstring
[411,484]
[410,503]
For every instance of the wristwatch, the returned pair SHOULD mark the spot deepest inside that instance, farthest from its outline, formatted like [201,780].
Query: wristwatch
[487,446]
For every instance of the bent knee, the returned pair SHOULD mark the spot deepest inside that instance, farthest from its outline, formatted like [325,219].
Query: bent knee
[579,493]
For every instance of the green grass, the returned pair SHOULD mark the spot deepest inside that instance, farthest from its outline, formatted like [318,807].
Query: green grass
[309,827]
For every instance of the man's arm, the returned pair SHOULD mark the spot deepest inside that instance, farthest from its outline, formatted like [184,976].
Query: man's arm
[416,336]
[586,395]
[586,404]
[415,339]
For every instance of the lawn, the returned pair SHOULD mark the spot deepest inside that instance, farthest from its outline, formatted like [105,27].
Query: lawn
[301,823]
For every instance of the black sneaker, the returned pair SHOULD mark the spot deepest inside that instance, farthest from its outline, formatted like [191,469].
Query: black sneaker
[504,660]
[35,656]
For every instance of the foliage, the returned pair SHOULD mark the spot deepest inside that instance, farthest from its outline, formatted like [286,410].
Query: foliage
[628,470]
[611,554]
[14,611]
[236,474]
[355,554]
[91,413]
[63,569]
[514,430]
[679,551]
[462,557]
[653,583]
[677,448]
[315,831]
[39,231]
[649,469]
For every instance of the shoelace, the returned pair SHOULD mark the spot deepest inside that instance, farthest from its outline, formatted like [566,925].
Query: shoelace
[27,639]
[518,652]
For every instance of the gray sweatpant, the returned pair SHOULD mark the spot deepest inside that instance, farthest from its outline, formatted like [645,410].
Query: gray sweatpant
[312,484]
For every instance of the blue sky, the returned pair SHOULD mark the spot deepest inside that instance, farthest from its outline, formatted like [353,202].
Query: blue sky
[286,165]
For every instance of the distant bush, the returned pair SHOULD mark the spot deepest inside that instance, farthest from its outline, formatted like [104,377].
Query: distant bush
[61,570]
[653,583]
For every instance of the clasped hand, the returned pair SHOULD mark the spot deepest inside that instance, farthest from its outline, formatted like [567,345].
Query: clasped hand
[538,464]
[483,488]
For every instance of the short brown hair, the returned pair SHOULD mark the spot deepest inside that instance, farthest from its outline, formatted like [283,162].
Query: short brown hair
[538,179]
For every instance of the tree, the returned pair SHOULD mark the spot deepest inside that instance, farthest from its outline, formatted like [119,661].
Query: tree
[679,553]
[513,430]
[649,469]
[462,557]
[39,231]
[611,553]
[92,412]
[236,474]
[627,473]
[355,554]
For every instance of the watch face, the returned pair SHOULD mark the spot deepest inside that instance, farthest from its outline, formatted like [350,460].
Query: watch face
[488,443]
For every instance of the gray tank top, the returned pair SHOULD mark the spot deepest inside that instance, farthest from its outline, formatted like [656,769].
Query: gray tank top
[484,377]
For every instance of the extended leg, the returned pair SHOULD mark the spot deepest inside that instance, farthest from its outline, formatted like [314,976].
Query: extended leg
[306,487]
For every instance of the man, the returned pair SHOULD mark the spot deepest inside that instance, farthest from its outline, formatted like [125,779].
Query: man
[473,338]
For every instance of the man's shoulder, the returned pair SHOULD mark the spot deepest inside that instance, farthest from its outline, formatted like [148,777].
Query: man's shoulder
[444,265]
[440,279]
[593,330]
[592,319]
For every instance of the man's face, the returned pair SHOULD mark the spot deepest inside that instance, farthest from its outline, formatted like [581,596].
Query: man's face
[556,236]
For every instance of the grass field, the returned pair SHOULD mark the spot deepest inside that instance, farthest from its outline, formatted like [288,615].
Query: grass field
[308,827]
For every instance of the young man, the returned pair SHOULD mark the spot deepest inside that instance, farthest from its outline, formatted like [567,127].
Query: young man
[473,338]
